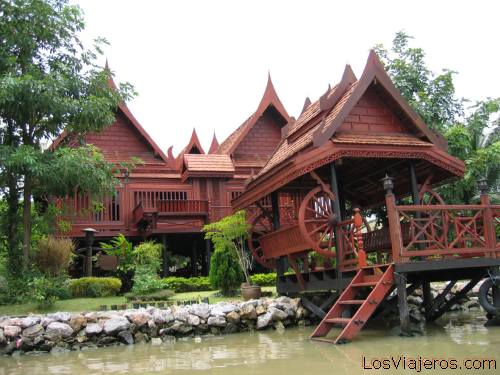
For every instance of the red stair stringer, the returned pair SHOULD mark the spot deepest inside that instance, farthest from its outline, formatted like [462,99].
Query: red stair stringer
[382,284]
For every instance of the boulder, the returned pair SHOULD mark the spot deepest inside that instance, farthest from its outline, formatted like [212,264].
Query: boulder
[106,340]
[181,327]
[91,317]
[12,331]
[264,320]
[46,321]
[33,331]
[201,310]
[230,328]
[11,322]
[59,329]
[29,321]
[216,321]
[3,339]
[60,316]
[139,318]
[93,329]
[193,320]
[277,314]
[126,337]
[260,309]
[77,321]
[248,312]
[116,324]
[158,317]
[181,314]
[233,317]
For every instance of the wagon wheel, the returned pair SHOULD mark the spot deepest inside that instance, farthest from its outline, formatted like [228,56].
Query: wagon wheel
[429,197]
[317,220]
[260,225]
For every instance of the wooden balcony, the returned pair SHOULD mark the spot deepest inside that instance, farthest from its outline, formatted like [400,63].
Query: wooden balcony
[182,207]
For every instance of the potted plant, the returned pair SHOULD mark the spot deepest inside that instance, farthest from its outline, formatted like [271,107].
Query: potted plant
[231,233]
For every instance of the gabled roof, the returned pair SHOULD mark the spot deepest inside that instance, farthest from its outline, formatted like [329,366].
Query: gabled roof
[122,108]
[214,146]
[207,165]
[270,98]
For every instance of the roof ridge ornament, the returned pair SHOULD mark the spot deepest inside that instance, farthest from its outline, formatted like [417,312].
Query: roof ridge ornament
[214,146]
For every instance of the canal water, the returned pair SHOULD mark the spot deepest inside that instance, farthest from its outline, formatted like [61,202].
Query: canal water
[455,338]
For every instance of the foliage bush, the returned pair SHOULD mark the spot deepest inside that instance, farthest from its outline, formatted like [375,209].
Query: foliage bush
[183,284]
[53,255]
[146,280]
[148,253]
[160,295]
[124,250]
[95,286]
[263,279]
[45,291]
[225,272]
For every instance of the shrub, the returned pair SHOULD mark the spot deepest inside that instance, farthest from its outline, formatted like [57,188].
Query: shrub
[263,279]
[95,286]
[146,280]
[160,295]
[183,284]
[54,255]
[148,254]
[47,290]
[225,272]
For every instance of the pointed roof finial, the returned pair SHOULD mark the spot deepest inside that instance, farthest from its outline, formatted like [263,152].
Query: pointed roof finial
[270,97]
[214,146]
[307,103]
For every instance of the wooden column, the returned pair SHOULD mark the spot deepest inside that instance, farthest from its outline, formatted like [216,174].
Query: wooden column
[336,210]
[282,264]
[194,258]
[488,220]
[165,256]
[404,313]
[393,218]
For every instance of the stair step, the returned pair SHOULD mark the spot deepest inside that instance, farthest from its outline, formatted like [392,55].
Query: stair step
[367,283]
[338,320]
[352,302]
[322,339]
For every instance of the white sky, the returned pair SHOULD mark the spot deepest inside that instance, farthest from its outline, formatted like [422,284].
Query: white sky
[204,64]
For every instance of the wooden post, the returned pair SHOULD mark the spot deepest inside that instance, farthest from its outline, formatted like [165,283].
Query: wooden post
[336,210]
[194,258]
[489,227]
[393,218]
[428,298]
[358,222]
[404,313]
[165,256]
[282,263]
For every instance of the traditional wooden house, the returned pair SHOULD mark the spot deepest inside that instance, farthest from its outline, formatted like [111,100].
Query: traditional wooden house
[361,148]
[170,198]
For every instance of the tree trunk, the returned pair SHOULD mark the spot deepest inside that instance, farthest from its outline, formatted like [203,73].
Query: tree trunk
[13,251]
[27,217]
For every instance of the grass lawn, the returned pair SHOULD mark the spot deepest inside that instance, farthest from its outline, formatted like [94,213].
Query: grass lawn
[92,304]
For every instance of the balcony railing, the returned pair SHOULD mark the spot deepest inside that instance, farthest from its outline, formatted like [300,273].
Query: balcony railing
[181,207]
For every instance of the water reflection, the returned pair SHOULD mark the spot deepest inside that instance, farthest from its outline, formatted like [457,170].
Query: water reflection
[269,352]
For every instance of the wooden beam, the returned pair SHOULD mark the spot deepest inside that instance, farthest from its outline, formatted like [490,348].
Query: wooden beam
[320,313]
[404,314]
[281,264]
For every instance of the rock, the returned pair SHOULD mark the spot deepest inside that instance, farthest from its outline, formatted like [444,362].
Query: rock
[277,314]
[415,300]
[11,322]
[60,316]
[217,321]
[260,309]
[156,341]
[230,328]
[46,321]
[3,339]
[93,329]
[59,349]
[91,317]
[471,304]
[181,327]
[181,314]
[29,321]
[116,324]
[59,329]
[248,312]
[139,337]
[168,338]
[253,302]
[201,310]
[33,331]
[140,318]
[279,326]
[12,331]
[9,348]
[233,317]
[264,320]
[106,340]
[193,320]
[126,337]
[290,312]
[223,308]
[77,322]
[158,317]
[168,315]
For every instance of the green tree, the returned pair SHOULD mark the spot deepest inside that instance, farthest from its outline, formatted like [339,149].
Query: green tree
[473,137]
[230,233]
[49,83]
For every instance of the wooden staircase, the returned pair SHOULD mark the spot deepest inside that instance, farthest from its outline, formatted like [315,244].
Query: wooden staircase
[374,282]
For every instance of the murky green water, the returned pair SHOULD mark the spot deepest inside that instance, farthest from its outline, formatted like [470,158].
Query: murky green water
[277,353]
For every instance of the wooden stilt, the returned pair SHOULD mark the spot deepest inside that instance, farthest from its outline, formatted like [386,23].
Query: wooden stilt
[194,259]
[336,209]
[426,289]
[282,263]
[404,313]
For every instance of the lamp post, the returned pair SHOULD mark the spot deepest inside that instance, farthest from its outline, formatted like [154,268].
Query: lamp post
[89,241]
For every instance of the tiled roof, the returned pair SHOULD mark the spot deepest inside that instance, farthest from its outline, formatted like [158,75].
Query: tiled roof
[376,139]
[208,163]
[234,136]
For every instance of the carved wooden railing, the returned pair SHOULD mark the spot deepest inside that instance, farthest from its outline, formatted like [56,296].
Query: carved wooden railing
[444,231]
[138,213]
[190,206]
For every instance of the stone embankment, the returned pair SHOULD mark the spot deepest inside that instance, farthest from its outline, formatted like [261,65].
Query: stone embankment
[62,331]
